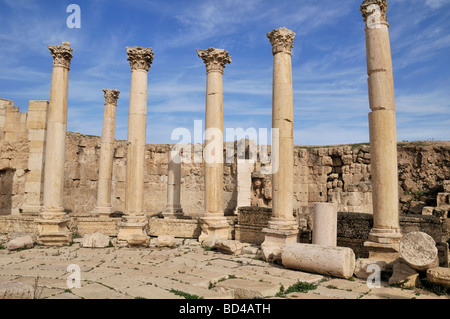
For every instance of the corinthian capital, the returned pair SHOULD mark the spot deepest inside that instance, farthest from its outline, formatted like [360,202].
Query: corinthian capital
[140,58]
[374,11]
[62,54]
[215,59]
[282,40]
[111,96]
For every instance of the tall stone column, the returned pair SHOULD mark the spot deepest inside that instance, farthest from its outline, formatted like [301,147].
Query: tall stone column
[213,221]
[53,225]
[385,235]
[34,179]
[134,220]
[103,207]
[173,207]
[283,227]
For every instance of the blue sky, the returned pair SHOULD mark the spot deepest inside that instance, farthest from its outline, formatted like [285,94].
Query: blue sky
[328,63]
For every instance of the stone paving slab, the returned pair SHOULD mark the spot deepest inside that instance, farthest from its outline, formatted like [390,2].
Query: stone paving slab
[153,272]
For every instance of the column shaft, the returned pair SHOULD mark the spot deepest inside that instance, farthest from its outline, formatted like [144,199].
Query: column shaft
[173,207]
[103,207]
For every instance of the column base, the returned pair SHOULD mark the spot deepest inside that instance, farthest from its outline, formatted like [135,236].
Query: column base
[132,225]
[173,212]
[213,226]
[102,212]
[279,233]
[383,244]
[31,210]
[54,232]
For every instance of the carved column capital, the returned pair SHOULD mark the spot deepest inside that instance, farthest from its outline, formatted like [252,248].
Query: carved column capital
[374,11]
[214,59]
[140,58]
[62,54]
[111,96]
[282,40]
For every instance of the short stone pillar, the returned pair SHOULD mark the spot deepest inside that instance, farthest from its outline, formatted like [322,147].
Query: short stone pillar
[173,207]
[103,207]
[134,220]
[325,224]
[53,224]
[34,179]
[385,235]
[213,221]
[283,227]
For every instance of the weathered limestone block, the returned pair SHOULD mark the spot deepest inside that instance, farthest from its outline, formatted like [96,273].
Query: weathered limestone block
[138,240]
[428,210]
[404,275]
[332,261]
[96,240]
[16,290]
[447,186]
[419,250]
[365,267]
[439,275]
[230,247]
[21,242]
[165,241]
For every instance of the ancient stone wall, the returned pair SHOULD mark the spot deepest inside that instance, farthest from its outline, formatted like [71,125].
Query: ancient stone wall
[328,173]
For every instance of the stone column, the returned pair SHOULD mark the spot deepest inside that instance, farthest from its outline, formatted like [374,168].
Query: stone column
[134,221]
[283,227]
[385,235]
[103,207]
[53,225]
[173,207]
[325,224]
[34,179]
[213,221]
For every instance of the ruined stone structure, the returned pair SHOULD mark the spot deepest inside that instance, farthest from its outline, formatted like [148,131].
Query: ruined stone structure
[323,203]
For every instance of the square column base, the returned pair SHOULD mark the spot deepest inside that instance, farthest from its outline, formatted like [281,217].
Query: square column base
[173,213]
[383,244]
[132,225]
[279,233]
[54,232]
[102,212]
[213,226]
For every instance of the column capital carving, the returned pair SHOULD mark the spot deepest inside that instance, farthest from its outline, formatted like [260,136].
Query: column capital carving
[282,40]
[111,96]
[140,58]
[374,11]
[214,59]
[62,54]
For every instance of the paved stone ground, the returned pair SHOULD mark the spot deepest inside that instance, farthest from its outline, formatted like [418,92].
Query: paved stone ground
[164,273]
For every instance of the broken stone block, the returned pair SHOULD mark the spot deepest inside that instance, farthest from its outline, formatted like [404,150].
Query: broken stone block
[165,241]
[16,290]
[363,268]
[416,207]
[428,210]
[137,240]
[230,247]
[96,240]
[418,250]
[439,275]
[404,275]
[331,261]
[447,186]
[21,243]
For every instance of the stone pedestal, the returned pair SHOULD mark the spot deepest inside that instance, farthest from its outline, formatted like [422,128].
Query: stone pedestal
[173,207]
[283,227]
[385,235]
[34,179]
[103,207]
[213,221]
[53,225]
[325,224]
[134,221]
